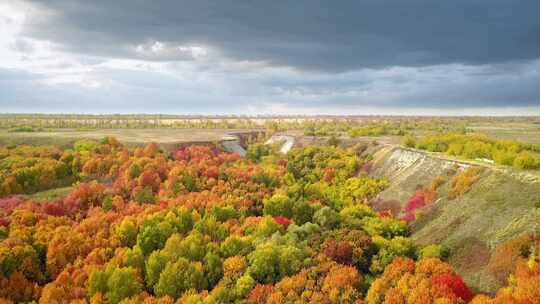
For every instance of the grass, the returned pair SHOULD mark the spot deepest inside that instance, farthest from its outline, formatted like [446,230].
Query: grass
[132,137]
[527,131]
[51,194]
[498,208]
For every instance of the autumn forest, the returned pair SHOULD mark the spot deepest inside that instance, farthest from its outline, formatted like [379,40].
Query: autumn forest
[202,225]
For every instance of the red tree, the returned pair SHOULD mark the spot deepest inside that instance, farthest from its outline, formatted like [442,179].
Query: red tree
[416,201]
[455,283]
[283,221]
[339,251]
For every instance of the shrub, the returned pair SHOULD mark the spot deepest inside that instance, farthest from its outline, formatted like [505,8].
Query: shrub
[333,141]
[257,151]
[504,157]
[386,227]
[526,160]
[416,201]
[463,181]
[506,256]
[388,249]
[434,251]
[357,211]
[409,140]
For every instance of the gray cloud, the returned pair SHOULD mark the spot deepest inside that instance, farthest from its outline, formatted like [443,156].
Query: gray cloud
[273,56]
[307,34]
[428,89]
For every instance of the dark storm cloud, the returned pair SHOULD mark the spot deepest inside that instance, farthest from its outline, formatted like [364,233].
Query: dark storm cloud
[303,56]
[438,87]
[329,36]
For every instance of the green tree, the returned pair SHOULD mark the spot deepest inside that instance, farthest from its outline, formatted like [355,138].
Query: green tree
[236,245]
[153,235]
[266,227]
[192,247]
[178,277]
[291,260]
[181,219]
[134,257]
[107,203]
[280,204]
[208,225]
[434,251]
[134,171]
[143,195]
[386,227]
[526,160]
[257,151]
[243,286]
[409,140]
[327,218]
[127,233]
[388,249]
[271,262]
[97,282]
[225,213]
[213,268]
[263,263]
[333,140]
[154,266]
[122,283]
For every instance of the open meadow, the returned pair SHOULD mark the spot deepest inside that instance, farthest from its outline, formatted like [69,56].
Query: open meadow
[164,136]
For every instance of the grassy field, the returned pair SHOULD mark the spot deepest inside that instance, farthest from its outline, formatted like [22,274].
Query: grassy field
[52,194]
[128,136]
[527,131]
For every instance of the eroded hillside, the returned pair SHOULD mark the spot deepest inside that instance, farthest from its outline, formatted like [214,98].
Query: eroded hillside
[502,204]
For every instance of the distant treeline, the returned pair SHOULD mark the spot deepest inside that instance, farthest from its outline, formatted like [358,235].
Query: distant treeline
[320,125]
[396,127]
[514,153]
[45,122]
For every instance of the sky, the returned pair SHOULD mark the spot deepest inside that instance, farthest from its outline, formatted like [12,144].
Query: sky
[395,57]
